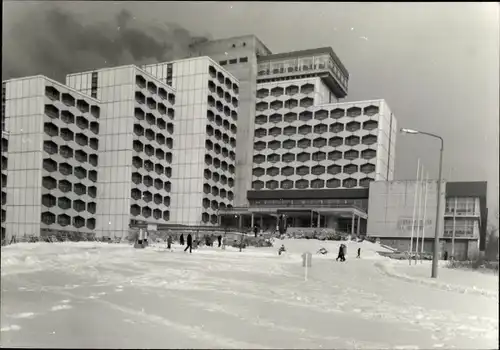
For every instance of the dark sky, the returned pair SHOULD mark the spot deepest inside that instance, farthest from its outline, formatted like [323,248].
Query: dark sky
[436,64]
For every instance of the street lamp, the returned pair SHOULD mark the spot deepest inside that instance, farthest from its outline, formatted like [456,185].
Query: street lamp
[438,209]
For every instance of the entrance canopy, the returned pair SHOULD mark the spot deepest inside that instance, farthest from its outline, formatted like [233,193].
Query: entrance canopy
[347,211]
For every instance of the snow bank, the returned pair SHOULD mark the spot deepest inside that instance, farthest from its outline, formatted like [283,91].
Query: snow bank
[457,281]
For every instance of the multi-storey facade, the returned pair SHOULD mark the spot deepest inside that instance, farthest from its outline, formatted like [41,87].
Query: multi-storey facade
[207,116]
[302,146]
[464,213]
[4,162]
[136,148]
[239,56]
[121,140]
[53,134]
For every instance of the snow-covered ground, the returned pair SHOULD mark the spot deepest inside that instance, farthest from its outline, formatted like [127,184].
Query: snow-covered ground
[95,295]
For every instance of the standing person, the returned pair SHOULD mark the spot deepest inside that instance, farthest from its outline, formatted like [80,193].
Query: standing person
[359,253]
[189,243]
[219,238]
[255,230]
[181,239]
[169,242]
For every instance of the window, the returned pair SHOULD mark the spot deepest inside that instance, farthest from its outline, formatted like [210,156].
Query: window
[169,74]
[223,63]
[233,61]
[243,59]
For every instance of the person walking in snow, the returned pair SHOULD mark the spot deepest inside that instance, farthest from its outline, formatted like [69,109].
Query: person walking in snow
[219,239]
[341,255]
[189,243]
[169,242]
[359,253]
[181,239]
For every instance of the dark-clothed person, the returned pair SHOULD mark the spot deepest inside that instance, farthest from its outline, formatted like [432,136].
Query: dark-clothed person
[219,239]
[189,243]
[181,239]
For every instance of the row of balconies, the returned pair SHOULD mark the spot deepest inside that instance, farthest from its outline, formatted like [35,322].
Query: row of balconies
[216,177]
[151,136]
[317,156]
[148,181]
[206,218]
[66,169]
[306,116]
[290,91]
[152,120]
[217,163]
[149,166]
[65,186]
[69,118]
[215,191]
[146,212]
[153,89]
[67,152]
[222,94]
[147,197]
[318,129]
[221,108]
[217,119]
[220,136]
[65,203]
[318,143]
[315,170]
[315,184]
[67,99]
[152,104]
[223,80]
[138,146]
[67,135]
[80,189]
[218,149]
[65,220]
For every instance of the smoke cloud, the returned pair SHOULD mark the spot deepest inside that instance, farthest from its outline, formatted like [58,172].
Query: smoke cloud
[56,42]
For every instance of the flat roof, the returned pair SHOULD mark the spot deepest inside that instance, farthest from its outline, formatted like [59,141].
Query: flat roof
[309,52]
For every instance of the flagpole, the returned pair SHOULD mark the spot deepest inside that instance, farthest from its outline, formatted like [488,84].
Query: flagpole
[414,212]
[425,215]
[419,205]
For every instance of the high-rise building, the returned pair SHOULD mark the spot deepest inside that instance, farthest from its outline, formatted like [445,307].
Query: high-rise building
[136,146]
[52,157]
[4,162]
[239,56]
[206,127]
[121,140]
[305,144]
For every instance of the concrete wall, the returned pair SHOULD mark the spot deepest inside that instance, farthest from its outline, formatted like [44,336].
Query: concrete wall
[24,108]
[386,143]
[390,209]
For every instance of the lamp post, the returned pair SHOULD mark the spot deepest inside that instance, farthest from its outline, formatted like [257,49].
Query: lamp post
[438,209]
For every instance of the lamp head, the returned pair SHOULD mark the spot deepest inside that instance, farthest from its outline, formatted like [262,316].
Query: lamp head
[409,131]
